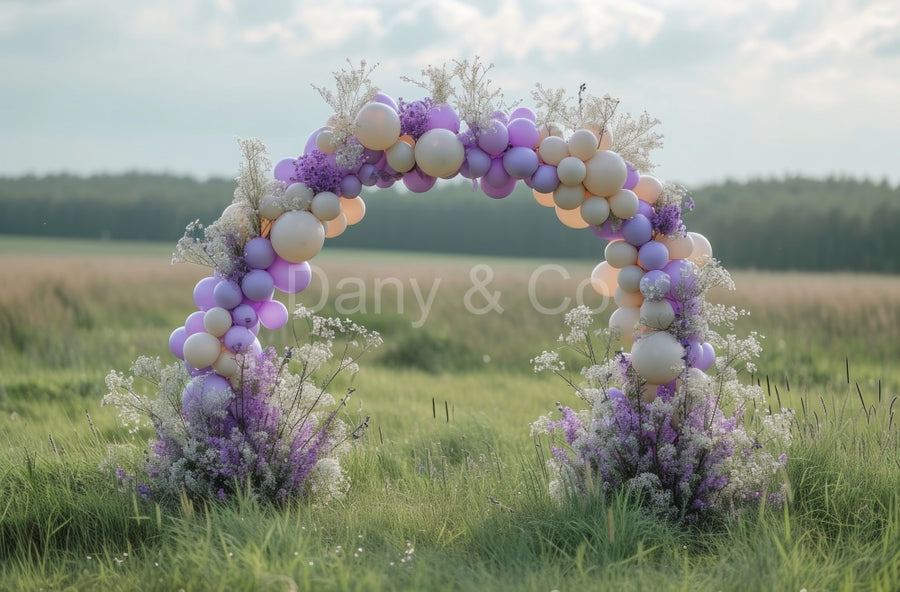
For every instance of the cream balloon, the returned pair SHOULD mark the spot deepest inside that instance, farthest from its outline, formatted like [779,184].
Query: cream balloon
[326,206]
[217,321]
[401,156]
[298,197]
[570,170]
[604,279]
[623,321]
[269,207]
[201,349]
[337,226]
[552,150]
[571,218]
[238,216]
[569,197]
[583,144]
[439,153]
[595,210]
[648,189]
[702,250]
[620,254]
[297,236]
[605,173]
[354,209]
[627,299]
[657,314]
[325,142]
[658,357]
[226,365]
[630,278]
[624,204]
[680,247]
[377,126]
[545,199]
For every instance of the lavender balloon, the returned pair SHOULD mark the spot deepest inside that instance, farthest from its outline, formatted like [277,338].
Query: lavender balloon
[523,132]
[442,116]
[494,139]
[228,294]
[238,339]
[499,192]
[520,162]
[176,342]
[496,176]
[203,293]
[637,230]
[258,285]
[478,161]
[288,277]
[545,179]
[632,176]
[245,315]
[258,253]
[194,323]
[655,285]
[285,169]
[351,186]
[653,255]
[417,181]
[273,315]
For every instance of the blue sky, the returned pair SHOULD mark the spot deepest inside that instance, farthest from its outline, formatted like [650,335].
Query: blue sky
[743,89]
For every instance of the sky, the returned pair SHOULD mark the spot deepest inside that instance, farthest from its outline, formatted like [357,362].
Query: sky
[743,89]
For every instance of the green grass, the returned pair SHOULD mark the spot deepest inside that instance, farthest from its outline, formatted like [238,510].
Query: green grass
[448,488]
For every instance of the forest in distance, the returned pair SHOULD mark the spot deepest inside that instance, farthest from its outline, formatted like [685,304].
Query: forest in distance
[788,223]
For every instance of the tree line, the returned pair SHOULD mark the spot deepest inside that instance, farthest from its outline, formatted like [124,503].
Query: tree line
[787,223]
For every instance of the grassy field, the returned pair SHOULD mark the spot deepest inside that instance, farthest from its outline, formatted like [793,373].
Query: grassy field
[448,490]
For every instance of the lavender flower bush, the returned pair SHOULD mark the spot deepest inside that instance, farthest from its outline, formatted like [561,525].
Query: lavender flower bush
[703,444]
[273,430]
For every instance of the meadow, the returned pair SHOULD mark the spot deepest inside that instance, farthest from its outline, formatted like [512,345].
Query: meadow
[448,487]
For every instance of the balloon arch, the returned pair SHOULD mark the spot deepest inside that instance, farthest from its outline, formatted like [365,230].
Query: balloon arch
[587,162]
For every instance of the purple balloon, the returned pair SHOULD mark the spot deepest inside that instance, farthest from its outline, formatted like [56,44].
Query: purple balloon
[499,192]
[523,132]
[245,315]
[370,156]
[258,253]
[707,357]
[285,169]
[523,113]
[655,285]
[203,293]
[368,175]
[637,230]
[176,342]
[238,338]
[194,323]
[384,181]
[202,394]
[289,277]
[632,176]
[520,162]
[417,181]
[653,255]
[496,176]
[683,274]
[645,209]
[494,139]
[228,294]
[693,353]
[258,285]
[273,315]
[607,231]
[384,99]
[500,116]
[545,179]
[478,162]
[351,186]
[255,329]
[442,116]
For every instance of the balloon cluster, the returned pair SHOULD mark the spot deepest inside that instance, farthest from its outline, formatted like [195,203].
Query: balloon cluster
[651,266]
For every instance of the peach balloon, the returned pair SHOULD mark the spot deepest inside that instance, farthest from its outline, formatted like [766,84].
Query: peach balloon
[680,247]
[648,189]
[604,279]
[354,209]
[545,199]
[571,218]
[702,248]
[336,226]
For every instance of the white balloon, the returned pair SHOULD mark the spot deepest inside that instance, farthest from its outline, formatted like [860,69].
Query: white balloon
[624,322]
[201,349]
[326,206]
[377,126]
[226,365]
[297,236]
[439,153]
[552,150]
[620,254]
[595,210]
[217,321]
[583,144]
[269,207]
[401,156]
[624,204]
[657,314]
[571,171]
[630,278]
[568,197]
[658,357]
[605,173]
[325,142]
